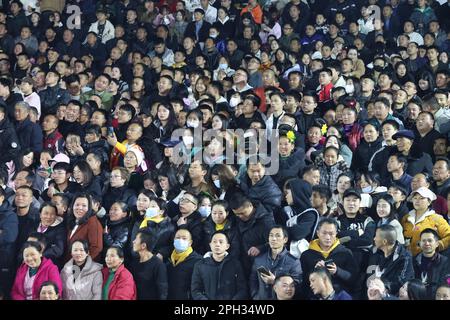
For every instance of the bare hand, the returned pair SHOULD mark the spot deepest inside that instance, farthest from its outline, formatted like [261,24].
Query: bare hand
[181,221]
[253,252]
[320,264]
[332,268]
[159,255]
[112,140]
[78,149]
[268,279]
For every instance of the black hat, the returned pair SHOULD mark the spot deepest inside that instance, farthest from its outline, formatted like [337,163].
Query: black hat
[409,134]
[352,192]
[200,10]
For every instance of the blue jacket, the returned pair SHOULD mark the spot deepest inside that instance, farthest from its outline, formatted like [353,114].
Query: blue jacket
[283,263]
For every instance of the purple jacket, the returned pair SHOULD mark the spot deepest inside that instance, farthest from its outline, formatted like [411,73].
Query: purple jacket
[47,272]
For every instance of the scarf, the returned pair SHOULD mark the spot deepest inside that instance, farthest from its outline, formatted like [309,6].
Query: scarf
[220,226]
[154,219]
[177,258]
[316,247]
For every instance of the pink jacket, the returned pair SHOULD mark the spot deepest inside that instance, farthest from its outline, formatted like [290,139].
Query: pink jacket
[46,272]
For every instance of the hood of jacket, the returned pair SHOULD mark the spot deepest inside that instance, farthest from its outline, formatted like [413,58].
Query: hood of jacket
[301,194]
[90,267]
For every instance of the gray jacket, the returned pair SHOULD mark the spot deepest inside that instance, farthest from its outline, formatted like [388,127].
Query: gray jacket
[285,263]
[84,285]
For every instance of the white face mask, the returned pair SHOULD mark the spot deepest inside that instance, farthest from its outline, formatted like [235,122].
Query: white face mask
[192,124]
[367,189]
[234,101]
[349,88]
[217,183]
[213,35]
[188,140]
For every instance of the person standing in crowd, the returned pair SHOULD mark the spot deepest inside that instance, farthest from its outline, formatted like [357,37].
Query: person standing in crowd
[150,272]
[333,98]
[34,271]
[118,282]
[81,277]
[218,276]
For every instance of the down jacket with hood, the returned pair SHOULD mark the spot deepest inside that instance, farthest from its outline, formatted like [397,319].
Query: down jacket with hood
[163,231]
[302,217]
[230,229]
[9,230]
[347,270]
[212,280]
[265,191]
[56,237]
[394,270]
[82,284]
[290,167]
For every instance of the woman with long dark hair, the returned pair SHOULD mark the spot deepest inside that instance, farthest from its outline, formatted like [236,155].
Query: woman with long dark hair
[83,225]
[84,176]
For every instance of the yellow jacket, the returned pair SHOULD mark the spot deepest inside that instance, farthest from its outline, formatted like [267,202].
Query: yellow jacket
[413,228]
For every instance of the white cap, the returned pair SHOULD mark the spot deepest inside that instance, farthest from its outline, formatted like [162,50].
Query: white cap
[424,192]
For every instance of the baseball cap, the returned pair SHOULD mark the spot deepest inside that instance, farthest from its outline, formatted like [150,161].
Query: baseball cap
[409,134]
[352,192]
[424,192]
[60,157]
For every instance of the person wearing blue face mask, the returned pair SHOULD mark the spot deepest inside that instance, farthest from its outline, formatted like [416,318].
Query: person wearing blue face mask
[153,219]
[205,206]
[180,266]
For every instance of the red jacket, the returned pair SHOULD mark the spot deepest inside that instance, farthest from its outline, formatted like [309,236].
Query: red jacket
[47,272]
[122,287]
[92,231]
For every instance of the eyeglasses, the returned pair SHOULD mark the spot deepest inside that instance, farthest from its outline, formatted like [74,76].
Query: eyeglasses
[188,200]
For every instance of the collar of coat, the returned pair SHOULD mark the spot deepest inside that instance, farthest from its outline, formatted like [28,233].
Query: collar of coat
[412,216]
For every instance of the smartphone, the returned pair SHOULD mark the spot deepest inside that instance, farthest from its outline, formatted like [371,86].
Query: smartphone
[263,270]
[110,131]
[328,262]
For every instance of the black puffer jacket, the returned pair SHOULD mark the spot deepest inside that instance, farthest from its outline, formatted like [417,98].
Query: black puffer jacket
[394,270]
[163,231]
[30,135]
[265,191]
[9,231]
[9,142]
[195,226]
[180,276]
[290,167]
[363,154]
[302,217]
[123,194]
[117,233]
[51,98]
[56,237]
[230,230]
[254,233]
[218,281]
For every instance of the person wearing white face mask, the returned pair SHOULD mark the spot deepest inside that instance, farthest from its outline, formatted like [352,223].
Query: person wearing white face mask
[180,266]
[194,119]
[224,69]
[152,219]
